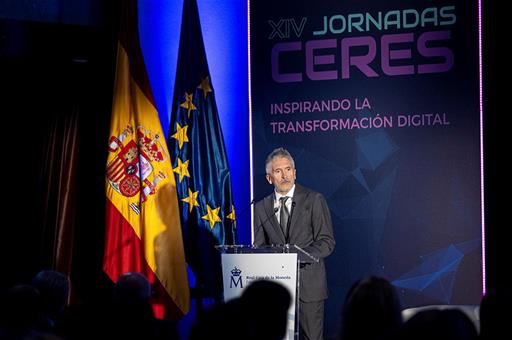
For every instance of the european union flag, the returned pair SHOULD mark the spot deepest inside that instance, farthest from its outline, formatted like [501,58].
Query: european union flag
[200,164]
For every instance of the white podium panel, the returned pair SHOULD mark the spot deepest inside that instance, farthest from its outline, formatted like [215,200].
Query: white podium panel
[239,270]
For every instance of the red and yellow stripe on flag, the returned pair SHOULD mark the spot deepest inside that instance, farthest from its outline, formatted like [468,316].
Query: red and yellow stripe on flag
[143,229]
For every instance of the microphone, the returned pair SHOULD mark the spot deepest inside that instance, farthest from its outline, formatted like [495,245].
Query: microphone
[242,213]
[276,209]
[287,237]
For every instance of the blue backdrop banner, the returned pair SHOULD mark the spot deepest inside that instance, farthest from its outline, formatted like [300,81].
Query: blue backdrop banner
[379,104]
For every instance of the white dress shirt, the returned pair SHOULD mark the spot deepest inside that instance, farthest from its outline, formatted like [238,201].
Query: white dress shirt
[288,203]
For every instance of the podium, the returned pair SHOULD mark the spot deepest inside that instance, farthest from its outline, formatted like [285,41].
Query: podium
[242,264]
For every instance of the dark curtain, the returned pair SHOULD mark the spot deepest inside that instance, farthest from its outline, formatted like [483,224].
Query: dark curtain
[55,103]
[58,181]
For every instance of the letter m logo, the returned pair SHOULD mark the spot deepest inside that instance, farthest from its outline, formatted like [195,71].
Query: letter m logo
[235,281]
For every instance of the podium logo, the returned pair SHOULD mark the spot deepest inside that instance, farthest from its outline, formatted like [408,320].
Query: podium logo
[236,278]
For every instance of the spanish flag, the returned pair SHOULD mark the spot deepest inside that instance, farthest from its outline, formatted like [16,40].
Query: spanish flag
[143,228]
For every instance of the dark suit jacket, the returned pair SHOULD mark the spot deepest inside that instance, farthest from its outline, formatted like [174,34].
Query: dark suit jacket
[310,229]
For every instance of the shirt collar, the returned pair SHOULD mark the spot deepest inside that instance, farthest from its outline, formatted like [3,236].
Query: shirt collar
[288,194]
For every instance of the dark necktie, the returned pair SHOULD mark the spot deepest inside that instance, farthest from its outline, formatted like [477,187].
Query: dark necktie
[283,214]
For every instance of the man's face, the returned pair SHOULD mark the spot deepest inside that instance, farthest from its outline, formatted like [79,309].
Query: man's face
[282,175]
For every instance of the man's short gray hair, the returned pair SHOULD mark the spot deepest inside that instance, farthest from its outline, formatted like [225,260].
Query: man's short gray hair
[279,152]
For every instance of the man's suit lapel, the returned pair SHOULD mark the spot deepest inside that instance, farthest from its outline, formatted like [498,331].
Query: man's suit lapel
[269,209]
[299,197]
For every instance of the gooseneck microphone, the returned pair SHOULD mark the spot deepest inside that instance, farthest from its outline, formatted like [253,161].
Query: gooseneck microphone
[288,223]
[248,207]
[276,209]
[243,212]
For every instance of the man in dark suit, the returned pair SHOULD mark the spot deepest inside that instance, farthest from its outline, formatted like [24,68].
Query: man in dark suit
[293,214]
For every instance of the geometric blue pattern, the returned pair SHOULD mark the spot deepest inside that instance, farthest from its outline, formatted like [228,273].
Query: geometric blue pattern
[358,175]
[375,204]
[434,277]
[376,148]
